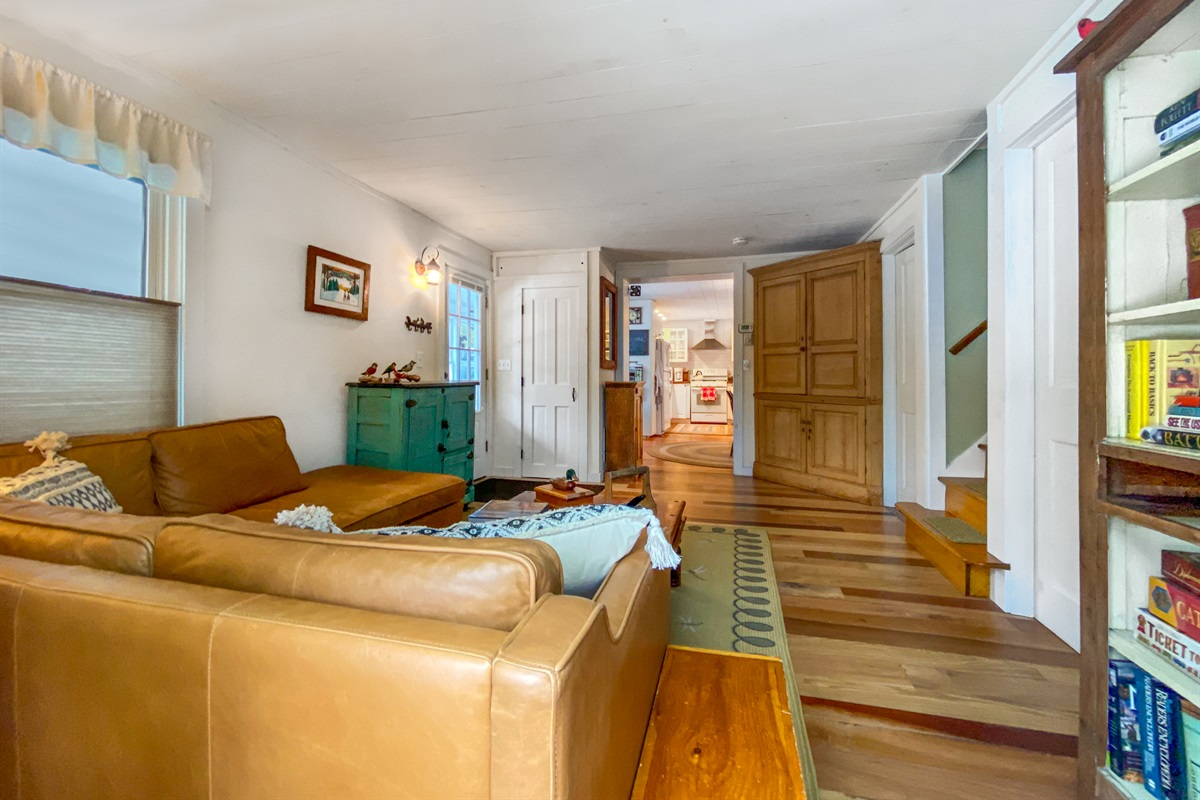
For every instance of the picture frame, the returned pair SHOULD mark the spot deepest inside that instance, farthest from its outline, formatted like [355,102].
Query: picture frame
[637,373]
[608,324]
[635,315]
[336,284]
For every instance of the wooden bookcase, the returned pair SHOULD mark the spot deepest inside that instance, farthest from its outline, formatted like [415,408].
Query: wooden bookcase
[1132,267]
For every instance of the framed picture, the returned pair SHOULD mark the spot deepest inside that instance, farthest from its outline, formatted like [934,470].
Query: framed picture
[337,285]
[639,343]
[635,315]
[637,373]
[608,324]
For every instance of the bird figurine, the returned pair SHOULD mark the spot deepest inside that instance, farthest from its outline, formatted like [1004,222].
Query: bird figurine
[391,370]
[1085,27]
[368,375]
[407,366]
[565,484]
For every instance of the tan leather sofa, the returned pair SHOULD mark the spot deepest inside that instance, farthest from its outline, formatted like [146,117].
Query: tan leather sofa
[245,467]
[215,657]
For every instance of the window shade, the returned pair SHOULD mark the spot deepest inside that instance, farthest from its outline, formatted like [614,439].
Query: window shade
[85,362]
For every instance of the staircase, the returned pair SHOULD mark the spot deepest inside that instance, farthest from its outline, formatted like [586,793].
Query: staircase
[967,565]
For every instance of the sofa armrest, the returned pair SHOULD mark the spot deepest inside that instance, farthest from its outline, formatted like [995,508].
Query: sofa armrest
[573,687]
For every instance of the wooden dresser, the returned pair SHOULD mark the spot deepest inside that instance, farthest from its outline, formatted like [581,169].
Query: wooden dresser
[622,425]
[818,373]
[419,427]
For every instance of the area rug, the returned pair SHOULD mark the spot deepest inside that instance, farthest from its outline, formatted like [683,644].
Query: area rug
[729,600]
[698,454]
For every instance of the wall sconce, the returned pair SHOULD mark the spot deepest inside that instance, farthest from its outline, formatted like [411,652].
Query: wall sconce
[428,265]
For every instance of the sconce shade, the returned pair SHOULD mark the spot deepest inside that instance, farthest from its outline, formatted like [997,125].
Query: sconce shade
[428,265]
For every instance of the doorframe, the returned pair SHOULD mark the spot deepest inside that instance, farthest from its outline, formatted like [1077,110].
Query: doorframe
[889,249]
[1012,485]
[457,265]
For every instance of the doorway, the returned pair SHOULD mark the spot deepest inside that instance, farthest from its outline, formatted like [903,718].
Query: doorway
[909,452]
[680,346]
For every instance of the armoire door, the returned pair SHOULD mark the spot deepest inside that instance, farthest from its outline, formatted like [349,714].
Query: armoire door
[780,434]
[422,410]
[836,448]
[779,316]
[836,318]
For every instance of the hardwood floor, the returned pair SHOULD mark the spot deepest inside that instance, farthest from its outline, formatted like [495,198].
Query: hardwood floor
[910,690]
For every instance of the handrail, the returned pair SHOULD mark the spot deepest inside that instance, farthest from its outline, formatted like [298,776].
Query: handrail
[962,343]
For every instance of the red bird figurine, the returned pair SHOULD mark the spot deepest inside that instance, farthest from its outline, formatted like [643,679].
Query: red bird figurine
[1085,27]
[371,370]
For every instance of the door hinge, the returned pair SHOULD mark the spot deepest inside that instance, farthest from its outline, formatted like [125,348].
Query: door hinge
[485,446]
[522,308]
[487,374]
[522,453]
[522,380]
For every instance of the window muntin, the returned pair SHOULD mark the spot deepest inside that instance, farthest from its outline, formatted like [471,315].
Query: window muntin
[464,320]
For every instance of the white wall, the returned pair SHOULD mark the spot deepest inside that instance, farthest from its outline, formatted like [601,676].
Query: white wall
[743,311]
[249,346]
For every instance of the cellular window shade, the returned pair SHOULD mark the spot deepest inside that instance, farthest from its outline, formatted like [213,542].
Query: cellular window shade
[85,362]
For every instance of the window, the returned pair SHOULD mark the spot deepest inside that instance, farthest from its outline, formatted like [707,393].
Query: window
[70,225]
[677,339]
[101,360]
[464,316]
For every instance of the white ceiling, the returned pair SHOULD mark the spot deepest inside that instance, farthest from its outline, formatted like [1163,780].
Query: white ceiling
[691,299]
[655,127]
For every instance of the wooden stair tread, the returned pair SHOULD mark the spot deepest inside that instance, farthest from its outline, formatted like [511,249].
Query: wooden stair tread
[976,554]
[968,485]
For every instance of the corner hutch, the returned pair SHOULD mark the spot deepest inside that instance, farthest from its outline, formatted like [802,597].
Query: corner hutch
[1136,499]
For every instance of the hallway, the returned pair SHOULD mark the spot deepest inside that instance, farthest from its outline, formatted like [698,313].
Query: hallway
[910,691]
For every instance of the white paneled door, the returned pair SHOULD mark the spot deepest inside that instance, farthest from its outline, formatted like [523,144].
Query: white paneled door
[554,378]
[909,452]
[1056,330]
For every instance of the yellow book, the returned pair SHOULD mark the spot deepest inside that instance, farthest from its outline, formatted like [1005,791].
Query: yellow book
[1157,372]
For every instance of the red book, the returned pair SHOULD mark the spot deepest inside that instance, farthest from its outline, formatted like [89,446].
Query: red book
[1175,606]
[1182,569]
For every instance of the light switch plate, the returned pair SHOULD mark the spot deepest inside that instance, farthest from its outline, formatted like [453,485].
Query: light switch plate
[504,365]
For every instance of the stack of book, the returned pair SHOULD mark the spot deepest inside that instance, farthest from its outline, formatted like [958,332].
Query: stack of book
[1162,382]
[1178,125]
[1154,734]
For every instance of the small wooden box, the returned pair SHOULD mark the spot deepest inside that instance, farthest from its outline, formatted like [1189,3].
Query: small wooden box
[557,498]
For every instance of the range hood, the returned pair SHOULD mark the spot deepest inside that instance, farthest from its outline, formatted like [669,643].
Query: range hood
[709,342]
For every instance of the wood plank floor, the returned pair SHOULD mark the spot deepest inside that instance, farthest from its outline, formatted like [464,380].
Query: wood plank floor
[910,690]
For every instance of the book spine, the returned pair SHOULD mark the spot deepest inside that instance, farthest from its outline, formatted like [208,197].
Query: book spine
[1191,747]
[1167,740]
[1178,410]
[1153,381]
[1180,571]
[1116,756]
[1182,651]
[1177,606]
[1182,439]
[1135,392]
[1185,127]
[1181,787]
[1182,422]
[1148,727]
[1178,110]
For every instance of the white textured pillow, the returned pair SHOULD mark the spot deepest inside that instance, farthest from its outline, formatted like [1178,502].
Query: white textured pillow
[61,483]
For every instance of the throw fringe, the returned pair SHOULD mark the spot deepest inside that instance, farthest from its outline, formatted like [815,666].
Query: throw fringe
[313,518]
[662,555]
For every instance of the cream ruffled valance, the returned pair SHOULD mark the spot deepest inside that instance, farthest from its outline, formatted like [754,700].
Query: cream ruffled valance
[47,108]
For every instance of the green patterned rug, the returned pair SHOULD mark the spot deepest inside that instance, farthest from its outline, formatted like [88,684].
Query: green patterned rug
[729,600]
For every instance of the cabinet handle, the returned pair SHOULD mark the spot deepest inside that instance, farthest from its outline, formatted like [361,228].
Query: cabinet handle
[441,448]
[471,440]
[471,397]
[572,394]
[471,455]
[410,403]
[802,348]
[445,424]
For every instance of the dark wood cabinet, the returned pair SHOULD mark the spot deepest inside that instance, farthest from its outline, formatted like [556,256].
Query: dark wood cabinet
[622,425]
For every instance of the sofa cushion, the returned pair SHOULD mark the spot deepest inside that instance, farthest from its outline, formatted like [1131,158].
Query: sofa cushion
[113,542]
[491,584]
[366,497]
[121,460]
[61,482]
[222,466]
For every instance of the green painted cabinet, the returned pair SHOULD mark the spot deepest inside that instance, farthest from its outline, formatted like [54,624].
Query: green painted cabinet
[426,427]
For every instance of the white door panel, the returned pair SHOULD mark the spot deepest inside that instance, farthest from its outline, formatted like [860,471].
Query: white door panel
[553,371]
[1056,327]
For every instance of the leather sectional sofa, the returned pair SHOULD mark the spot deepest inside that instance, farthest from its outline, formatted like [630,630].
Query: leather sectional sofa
[170,655]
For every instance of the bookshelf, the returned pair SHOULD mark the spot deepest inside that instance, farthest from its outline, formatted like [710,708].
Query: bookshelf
[1136,498]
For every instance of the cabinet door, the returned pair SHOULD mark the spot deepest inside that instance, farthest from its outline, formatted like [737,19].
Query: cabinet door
[836,320]
[836,442]
[458,423]
[422,437]
[779,318]
[462,463]
[780,434]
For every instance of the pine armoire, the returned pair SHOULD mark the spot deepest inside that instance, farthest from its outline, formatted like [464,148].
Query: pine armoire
[818,373]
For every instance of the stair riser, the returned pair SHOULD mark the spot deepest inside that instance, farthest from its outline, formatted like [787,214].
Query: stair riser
[967,507]
[970,579]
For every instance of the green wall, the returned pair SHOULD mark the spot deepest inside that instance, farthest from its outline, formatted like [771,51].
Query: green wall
[964,198]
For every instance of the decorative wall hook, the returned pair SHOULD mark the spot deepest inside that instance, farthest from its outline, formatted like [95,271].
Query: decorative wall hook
[419,324]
